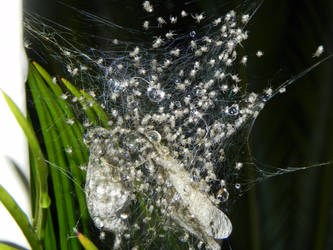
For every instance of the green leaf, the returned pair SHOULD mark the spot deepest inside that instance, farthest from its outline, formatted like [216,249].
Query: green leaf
[59,96]
[42,196]
[102,116]
[85,242]
[20,218]
[4,246]
[52,111]
[89,112]
[57,135]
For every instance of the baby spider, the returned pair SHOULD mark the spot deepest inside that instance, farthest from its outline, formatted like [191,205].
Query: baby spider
[173,19]
[157,42]
[160,21]
[145,25]
[183,13]
[147,6]
[170,34]
[199,17]
[319,51]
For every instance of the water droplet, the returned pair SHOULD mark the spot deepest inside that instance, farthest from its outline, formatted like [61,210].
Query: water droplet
[131,102]
[45,200]
[265,98]
[178,104]
[155,94]
[154,136]
[232,110]
[193,34]
[223,195]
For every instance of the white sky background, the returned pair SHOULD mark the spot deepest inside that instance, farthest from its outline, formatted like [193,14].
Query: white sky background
[13,70]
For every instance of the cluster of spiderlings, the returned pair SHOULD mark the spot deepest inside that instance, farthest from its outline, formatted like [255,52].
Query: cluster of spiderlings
[174,109]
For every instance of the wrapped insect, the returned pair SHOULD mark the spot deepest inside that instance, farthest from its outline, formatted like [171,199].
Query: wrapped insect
[114,179]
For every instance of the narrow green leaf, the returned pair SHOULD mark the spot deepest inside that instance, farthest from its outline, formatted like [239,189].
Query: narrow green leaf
[85,242]
[4,246]
[57,104]
[89,100]
[20,218]
[50,241]
[102,116]
[89,112]
[59,94]
[61,185]
[41,167]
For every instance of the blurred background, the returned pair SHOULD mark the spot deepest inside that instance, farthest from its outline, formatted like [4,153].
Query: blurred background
[293,210]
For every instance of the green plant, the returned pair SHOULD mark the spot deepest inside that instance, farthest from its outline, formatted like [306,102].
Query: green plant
[65,156]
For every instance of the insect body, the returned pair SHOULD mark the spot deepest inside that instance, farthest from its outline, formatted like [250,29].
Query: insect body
[115,180]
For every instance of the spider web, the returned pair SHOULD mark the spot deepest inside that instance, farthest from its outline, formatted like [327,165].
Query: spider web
[173,90]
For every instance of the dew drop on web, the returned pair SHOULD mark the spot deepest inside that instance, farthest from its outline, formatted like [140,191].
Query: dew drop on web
[232,110]
[155,95]
[154,136]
